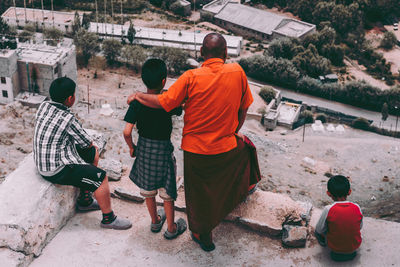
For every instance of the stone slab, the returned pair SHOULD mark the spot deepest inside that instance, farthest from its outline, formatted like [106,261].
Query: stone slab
[112,167]
[9,258]
[267,212]
[125,194]
[32,210]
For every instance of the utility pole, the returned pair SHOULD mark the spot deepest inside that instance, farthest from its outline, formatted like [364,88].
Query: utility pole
[42,14]
[122,20]
[26,19]
[52,11]
[105,17]
[397,116]
[112,18]
[15,13]
[97,18]
[194,32]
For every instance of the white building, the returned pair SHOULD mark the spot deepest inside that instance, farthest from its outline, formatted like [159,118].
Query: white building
[187,40]
[41,18]
[32,68]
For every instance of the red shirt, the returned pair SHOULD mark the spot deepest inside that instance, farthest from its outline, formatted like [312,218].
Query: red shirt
[341,222]
[213,95]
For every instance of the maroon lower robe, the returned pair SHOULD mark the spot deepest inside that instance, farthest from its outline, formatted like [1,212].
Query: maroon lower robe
[216,184]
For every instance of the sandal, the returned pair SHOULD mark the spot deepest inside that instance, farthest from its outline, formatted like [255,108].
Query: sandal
[156,227]
[203,246]
[180,228]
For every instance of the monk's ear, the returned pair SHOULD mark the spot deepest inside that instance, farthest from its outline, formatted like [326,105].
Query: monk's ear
[201,51]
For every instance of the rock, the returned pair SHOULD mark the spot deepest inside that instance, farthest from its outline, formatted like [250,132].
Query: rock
[266,212]
[32,210]
[135,197]
[113,169]
[106,110]
[306,211]
[318,126]
[385,179]
[330,128]
[99,139]
[340,128]
[309,161]
[294,236]
[284,132]
[11,258]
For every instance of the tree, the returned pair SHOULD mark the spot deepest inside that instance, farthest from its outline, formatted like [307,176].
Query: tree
[267,93]
[4,28]
[86,43]
[98,63]
[86,21]
[77,23]
[53,36]
[27,34]
[176,59]
[389,40]
[112,50]
[134,56]
[131,33]
[385,111]
[177,8]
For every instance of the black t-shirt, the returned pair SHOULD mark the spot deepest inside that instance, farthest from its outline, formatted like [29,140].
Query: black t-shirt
[152,123]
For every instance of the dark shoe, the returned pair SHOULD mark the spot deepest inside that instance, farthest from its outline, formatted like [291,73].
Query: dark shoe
[180,229]
[343,257]
[156,227]
[93,206]
[208,247]
[117,224]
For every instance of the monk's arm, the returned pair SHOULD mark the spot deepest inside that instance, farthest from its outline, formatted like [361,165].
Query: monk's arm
[242,117]
[149,100]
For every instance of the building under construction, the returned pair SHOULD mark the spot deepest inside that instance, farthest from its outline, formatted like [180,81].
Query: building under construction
[31,68]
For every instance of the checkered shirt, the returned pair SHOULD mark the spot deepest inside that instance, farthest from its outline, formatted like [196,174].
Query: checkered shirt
[155,166]
[57,132]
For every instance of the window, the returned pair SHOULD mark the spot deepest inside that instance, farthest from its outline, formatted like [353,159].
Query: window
[5,93]
[3,80]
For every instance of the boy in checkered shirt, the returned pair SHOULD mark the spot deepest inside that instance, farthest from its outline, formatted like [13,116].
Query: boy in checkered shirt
[64,153]
[154,168]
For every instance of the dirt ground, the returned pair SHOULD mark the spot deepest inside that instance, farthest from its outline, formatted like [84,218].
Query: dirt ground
[369,160]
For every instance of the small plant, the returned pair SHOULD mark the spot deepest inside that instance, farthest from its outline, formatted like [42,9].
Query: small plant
[361,123]
[267,93]
[307,116]
[322,117]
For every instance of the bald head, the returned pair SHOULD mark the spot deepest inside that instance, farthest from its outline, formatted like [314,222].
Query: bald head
[214,46]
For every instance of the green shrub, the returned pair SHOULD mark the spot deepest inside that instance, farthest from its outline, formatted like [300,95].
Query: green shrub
[321,117]
[361,123]
[307,116]
[267,93]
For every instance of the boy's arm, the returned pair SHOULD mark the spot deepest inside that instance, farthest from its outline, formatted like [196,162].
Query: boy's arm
[128,138]
[322,227]
[78,134]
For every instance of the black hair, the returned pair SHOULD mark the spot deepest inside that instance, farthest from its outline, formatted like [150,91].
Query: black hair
[61,89]
[338,186]
[154,71]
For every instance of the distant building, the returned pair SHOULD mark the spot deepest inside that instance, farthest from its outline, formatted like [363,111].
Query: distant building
[163,37]
[252,22]
[32,68]
[41,18]
[187,8]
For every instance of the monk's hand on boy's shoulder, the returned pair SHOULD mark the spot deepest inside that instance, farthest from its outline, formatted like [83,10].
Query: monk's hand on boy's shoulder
[131,98]
[241,136]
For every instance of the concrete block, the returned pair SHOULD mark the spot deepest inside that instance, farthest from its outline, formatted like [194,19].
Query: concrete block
[9,258]
[294,236]
[267,212]
[32,210]
[113,169]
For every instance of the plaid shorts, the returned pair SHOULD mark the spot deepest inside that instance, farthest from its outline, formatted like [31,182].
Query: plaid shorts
[162,192]
[155,166]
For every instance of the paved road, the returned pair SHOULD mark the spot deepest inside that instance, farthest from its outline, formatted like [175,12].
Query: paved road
[337,106]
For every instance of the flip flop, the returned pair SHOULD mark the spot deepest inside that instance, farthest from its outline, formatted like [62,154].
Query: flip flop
[203,246]
[156,227]
[180,228]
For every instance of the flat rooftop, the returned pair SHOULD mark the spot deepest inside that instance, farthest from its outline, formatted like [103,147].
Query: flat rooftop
[261,21]
[39,15]
[42,54]
[293,28]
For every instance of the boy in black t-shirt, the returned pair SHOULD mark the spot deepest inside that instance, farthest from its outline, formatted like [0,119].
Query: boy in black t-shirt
[154,167]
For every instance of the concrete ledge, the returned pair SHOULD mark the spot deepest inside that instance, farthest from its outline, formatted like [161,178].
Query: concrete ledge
[32,210]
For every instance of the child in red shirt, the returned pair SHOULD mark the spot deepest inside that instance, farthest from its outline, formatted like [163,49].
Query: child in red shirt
[340,223]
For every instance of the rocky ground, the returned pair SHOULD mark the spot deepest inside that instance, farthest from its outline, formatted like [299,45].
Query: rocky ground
[288,165]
